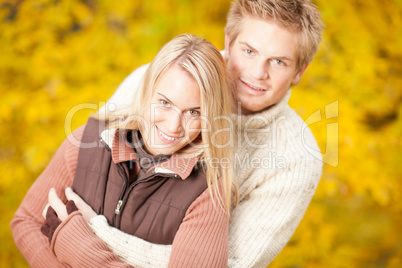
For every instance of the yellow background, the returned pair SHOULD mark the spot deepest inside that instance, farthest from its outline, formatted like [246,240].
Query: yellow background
[55,55]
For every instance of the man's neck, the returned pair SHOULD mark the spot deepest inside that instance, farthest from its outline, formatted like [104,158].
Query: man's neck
[238,109]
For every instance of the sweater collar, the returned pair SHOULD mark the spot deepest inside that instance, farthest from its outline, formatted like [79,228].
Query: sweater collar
[261,119]
[122,151]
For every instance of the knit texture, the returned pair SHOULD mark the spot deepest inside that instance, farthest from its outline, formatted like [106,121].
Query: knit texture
[201,241]
[126,246]
[278,166]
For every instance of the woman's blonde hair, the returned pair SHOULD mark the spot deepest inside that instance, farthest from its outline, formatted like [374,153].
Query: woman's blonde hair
[297,16]
[205,64]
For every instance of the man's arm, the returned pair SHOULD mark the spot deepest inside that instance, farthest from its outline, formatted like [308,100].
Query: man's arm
[124,94]
[200,241]
[129,248]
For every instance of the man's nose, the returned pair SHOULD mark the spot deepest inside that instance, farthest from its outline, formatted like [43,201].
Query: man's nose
[259,71]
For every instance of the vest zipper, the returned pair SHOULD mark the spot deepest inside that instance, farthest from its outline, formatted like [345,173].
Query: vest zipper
[126,193]
[117,210]
[119,204]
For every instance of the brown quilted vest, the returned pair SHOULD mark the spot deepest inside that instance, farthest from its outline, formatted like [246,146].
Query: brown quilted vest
[136,198]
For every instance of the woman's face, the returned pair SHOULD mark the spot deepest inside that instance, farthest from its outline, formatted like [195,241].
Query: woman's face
[174,115]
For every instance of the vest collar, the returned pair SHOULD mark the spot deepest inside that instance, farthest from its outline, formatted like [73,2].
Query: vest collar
[122,151]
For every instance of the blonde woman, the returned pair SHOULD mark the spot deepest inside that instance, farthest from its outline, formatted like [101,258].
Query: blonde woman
[162,174]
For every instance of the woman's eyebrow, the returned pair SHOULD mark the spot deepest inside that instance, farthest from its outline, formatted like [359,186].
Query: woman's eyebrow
[166,98]
[195,108]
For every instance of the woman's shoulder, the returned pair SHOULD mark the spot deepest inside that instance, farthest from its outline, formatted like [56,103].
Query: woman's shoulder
[70,148]
[74,139]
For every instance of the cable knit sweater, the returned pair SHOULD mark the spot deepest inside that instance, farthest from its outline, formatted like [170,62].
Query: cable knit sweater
[278,166]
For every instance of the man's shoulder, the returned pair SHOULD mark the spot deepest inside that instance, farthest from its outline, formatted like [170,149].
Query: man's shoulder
[123,96]
[300,139]
[292,147]
[292,137]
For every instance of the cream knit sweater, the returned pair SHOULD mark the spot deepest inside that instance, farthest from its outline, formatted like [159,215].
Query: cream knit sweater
[278,166]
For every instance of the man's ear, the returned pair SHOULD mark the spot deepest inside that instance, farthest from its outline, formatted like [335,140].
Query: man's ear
[299,74]
[227,46]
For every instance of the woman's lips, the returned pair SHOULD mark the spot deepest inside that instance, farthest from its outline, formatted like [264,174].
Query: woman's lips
[166,138]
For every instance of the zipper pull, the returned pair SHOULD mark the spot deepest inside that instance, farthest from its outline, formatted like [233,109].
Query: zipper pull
[119,204]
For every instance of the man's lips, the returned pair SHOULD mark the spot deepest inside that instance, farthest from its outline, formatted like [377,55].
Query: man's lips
[253,87]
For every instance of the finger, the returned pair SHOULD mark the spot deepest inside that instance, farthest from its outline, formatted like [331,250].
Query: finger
[76,198]
[71,195]
[45,210]
[71,207]
[51,214]
[51,223]
[45,228]
[57,204]
[86,210]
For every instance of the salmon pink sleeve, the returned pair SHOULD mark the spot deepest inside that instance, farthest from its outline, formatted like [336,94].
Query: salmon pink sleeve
[28,219]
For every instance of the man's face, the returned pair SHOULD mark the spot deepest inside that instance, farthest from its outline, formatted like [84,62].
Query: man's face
[262,61]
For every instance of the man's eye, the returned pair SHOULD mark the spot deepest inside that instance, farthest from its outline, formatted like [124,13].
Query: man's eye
[248,51]
[165,103]
[279,62]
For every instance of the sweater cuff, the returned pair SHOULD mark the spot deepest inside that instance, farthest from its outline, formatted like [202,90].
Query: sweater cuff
[60,228]
[71,239]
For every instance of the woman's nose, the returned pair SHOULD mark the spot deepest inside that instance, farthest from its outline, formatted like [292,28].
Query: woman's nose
[174,121]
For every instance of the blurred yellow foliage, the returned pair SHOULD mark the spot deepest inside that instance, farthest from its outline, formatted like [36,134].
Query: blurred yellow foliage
[64,55]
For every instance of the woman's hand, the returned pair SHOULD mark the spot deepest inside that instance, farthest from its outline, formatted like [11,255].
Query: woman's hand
[60,208]
[56,211]
[54,217]
[87,212]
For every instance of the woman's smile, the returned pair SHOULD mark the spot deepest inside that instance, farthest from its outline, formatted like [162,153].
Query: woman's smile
[167,138]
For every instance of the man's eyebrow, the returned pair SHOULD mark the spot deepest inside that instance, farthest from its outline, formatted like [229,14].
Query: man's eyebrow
[274,57]
[283,58]
[195,108]
[250,46]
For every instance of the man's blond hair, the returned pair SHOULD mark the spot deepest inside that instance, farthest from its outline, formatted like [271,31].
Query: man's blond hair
[297,16]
